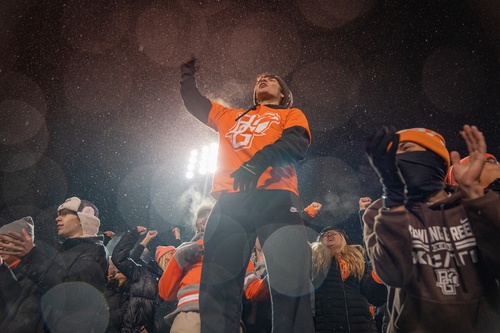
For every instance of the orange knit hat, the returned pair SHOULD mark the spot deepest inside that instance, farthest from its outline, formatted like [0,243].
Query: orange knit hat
[450,178]
[428,139]
[161,250]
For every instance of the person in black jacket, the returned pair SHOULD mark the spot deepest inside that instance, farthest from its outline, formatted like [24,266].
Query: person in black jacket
[143,277]
[19,296]
[117,295]
[345,285]
[73,277]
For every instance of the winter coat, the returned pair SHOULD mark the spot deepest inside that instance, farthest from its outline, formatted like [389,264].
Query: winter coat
[72,281]
[441,262]
[181,282]
[143,277]
[117,297]
[341,305]
[20,309]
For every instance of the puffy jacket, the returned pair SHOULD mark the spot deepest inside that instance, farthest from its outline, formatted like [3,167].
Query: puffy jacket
[143,277]
[67,277]
[342,305]
[19,302]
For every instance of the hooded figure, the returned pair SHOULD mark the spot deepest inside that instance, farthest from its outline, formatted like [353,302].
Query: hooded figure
[436,251]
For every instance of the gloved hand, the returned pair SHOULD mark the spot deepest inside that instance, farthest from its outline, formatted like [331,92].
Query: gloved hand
[247,176]
[187,254]
[190,67]
[383,162]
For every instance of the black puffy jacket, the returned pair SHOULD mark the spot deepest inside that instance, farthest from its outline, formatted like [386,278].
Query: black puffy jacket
[71,280]
[342,305]
[19,302]
[143,277]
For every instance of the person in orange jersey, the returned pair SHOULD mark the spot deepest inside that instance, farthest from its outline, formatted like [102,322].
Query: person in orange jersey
[257,195]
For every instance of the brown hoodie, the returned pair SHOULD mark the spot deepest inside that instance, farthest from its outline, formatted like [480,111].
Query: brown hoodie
[441,278]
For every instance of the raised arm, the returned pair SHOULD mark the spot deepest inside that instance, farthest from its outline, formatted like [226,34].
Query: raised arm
[196,104]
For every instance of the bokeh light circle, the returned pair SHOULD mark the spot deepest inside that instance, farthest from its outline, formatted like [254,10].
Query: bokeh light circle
[265,42]
[16,86]
[168,35]
[289,240]
[20,121]
[204,8]
[45,180]
[339,194]
[330,89]
[75,303]
[95,26]
[455,81]
[96,83]
[333,14]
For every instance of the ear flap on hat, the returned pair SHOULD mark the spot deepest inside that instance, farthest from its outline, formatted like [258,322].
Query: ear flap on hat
[88,218]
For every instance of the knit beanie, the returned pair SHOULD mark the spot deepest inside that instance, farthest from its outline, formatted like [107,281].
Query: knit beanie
[450,178]
[161,250]
[287,101]
[86,212]
[329,228]
[18,225]
[427,139]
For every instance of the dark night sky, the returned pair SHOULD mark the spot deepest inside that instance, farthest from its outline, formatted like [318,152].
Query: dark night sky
[90,105]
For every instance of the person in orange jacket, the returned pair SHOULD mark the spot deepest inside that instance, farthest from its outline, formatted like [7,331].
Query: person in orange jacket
[181,280]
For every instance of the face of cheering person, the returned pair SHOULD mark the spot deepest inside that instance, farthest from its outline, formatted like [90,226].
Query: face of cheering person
[268,89]
[334,240]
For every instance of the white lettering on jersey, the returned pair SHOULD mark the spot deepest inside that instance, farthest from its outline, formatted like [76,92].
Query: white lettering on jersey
[246,128]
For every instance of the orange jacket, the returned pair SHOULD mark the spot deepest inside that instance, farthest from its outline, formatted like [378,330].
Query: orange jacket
[183,285]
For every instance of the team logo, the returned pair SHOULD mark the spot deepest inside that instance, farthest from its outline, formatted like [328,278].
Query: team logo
[242,133]
[447,280]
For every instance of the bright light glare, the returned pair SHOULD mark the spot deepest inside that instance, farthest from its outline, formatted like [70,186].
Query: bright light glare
[203,160]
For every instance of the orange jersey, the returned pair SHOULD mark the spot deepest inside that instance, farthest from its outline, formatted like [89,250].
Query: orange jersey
[240,140]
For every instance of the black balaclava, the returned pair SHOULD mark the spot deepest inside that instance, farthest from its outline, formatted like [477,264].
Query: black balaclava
[423,173]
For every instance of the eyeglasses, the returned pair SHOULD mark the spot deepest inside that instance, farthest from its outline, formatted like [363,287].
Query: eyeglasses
[491,160]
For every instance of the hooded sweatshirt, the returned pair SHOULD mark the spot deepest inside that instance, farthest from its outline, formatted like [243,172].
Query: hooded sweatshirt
[440,277]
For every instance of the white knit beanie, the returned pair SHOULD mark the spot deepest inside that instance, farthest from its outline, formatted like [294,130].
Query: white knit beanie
[87,213]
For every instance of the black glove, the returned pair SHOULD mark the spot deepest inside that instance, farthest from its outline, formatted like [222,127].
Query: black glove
[247,176]
[383,162]
[190,67]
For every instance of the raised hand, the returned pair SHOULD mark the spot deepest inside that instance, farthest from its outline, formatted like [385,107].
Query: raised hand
[468,175]
[16,244]
[190,67]
[381,149]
